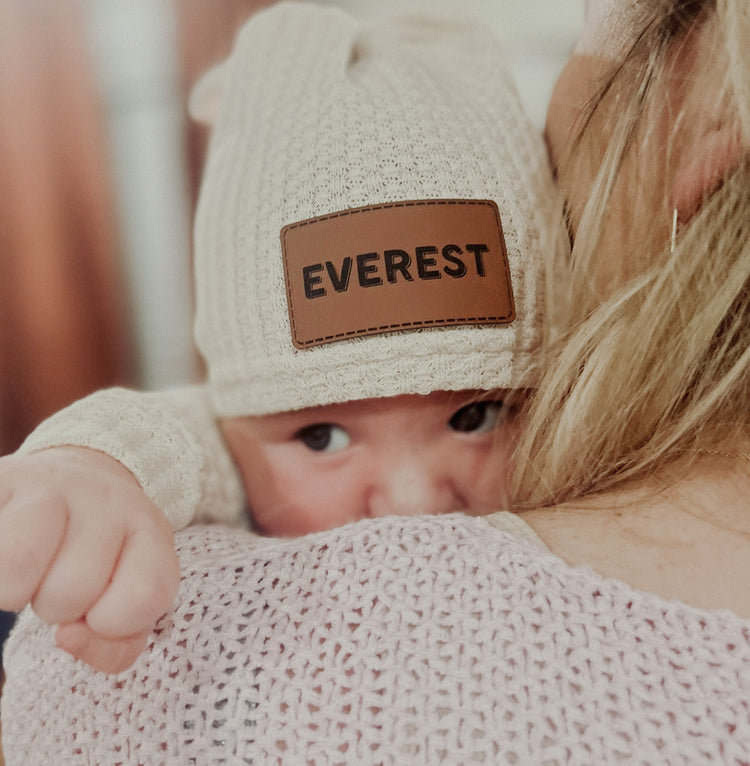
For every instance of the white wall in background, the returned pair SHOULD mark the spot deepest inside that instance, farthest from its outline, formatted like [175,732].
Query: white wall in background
[135,55]
[538,35]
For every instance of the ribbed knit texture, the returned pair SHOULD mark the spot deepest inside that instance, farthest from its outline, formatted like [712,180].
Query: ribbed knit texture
[431,640]
[168,440]
[315,112]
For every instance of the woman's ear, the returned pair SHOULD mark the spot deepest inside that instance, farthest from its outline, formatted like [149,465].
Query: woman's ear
[703,168]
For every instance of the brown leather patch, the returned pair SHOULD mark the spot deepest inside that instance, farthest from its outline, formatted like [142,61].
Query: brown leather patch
[400,266]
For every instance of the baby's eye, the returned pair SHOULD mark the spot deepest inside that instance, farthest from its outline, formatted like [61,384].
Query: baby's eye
[478,417]
[323,437]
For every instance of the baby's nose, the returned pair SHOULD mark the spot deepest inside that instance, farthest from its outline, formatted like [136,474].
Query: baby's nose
[411,489]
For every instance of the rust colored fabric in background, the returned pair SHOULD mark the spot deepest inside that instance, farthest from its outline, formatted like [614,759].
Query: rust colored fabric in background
[63,322]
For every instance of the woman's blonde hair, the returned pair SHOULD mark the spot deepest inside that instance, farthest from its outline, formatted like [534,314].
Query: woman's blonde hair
[657,371]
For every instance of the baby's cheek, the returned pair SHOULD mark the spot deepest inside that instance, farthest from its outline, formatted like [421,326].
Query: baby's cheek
[488,477]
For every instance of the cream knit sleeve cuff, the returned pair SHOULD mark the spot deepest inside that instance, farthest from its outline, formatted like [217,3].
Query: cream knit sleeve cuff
[170,442]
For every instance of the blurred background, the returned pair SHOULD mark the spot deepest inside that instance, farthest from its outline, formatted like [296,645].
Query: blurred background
[100,167]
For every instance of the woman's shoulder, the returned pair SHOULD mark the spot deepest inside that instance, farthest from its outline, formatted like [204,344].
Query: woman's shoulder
[689,543]
[394,636]
[601,568]
[646,556]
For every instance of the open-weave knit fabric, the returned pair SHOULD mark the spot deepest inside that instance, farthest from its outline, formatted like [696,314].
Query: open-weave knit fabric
[433,640]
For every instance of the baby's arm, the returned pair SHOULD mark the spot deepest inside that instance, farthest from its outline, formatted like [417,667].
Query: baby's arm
[169,441]
[82,533]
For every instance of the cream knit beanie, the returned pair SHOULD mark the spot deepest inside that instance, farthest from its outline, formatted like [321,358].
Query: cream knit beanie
[316,115]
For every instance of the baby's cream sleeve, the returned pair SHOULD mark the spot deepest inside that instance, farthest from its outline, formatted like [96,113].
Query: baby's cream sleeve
[169,440]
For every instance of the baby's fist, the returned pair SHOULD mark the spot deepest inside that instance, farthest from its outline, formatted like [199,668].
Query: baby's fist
[82,543]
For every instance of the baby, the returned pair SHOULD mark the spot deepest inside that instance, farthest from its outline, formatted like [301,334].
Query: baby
[367,242]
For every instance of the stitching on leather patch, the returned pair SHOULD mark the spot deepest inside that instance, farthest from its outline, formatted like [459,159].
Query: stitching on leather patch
[394,267]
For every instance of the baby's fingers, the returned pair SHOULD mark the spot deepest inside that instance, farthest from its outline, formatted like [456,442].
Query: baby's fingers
[31,531]
[104,654]
[143,586]
[81,570]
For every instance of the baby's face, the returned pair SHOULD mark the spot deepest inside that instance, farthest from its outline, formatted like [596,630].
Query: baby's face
[321,467]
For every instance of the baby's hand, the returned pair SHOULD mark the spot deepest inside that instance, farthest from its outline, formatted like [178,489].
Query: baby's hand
[82,543]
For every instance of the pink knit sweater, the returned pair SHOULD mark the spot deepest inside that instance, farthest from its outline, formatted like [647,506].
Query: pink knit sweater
[429,640]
